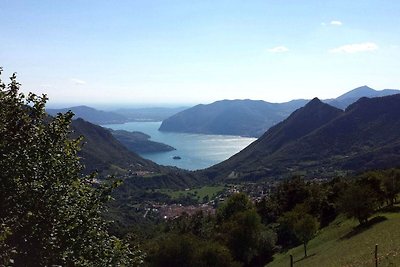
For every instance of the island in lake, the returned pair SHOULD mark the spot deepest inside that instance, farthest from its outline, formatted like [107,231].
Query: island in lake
[139,142]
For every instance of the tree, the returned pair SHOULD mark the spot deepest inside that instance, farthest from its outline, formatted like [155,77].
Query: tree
[305,229]
[291,192]
[187,250]
[358,201]
[49,213]
[391,185]
[373,181]
[302,224]
[268,210]
[236,203]
[243,233]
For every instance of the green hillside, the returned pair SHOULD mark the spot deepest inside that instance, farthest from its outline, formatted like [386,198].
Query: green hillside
[340,244]
[319,140]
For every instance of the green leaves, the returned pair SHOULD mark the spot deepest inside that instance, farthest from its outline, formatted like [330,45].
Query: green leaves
[49,213]
[358,201]
[302,224]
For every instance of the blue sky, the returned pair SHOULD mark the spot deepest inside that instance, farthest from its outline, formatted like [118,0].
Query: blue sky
[188,51]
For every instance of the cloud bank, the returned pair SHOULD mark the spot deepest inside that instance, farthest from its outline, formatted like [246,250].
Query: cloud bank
[336,23]
[355,48]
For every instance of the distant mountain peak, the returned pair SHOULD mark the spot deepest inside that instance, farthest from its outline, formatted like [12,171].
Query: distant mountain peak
[358,92]
[314,101]
[316,104]
[365,91]
[364,87]
[81,107]
[318,139]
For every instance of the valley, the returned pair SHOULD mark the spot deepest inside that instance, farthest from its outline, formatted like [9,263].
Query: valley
[282,147]
[290,186]
[200,133]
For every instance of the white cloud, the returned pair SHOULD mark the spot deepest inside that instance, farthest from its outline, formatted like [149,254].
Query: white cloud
[78,81]
[278,49]
[355,48]
[336,23]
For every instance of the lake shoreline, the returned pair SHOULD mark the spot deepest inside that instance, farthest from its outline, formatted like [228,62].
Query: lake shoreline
[197,151]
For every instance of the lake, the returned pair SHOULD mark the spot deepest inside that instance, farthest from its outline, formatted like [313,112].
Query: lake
[197,151]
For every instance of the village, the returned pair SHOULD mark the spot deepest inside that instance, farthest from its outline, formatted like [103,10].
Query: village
[208,204]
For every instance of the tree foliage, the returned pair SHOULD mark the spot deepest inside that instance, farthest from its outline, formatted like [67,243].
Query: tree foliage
[358,201]
[236,203]
[49,213]
[241,230]
[187,250]
[234,237]
[302,224]
[391,185]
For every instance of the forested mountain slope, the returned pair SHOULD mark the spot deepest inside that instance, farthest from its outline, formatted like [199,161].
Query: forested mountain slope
[102,152]
[251,117]
[321,140]
[231,117]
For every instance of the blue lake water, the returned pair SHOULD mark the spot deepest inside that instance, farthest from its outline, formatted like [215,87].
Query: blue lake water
[197,151]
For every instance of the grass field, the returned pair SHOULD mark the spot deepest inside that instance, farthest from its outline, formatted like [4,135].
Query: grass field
[341,244]
[197,193]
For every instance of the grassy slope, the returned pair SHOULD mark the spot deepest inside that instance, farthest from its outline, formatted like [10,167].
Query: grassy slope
[340,245]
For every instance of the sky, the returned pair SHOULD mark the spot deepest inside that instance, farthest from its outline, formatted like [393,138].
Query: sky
[160,52]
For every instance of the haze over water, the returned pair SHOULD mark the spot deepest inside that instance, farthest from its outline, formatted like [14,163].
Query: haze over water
[197,151]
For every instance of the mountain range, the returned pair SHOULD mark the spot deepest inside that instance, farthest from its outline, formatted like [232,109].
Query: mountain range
[231,117]
[149,113]
[352,96]
[321,140]
[250,117]
[117,116]
[103,153]
[91,115]
[317,140]
[135,141]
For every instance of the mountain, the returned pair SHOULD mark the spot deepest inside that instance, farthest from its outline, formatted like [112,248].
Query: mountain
[139,142]
[320,140]
[230,117]
[91,115]
[343,101]
[365,91]
[102,152]
[251,117]
[148,114]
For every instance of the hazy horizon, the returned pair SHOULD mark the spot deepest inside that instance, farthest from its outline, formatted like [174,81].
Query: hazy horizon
[179,52]
[115,106]
[136,105]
